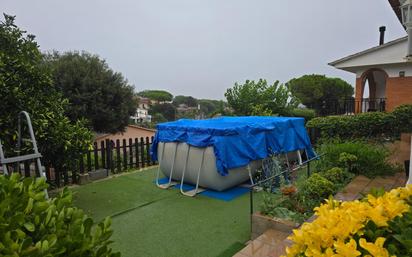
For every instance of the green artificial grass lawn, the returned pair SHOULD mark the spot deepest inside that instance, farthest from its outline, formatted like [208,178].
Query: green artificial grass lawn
[148,221]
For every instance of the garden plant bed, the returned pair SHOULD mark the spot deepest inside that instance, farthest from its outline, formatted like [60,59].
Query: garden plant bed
[268,243]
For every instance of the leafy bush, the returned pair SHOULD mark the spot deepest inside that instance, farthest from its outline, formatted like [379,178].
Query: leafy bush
[365,125]
[306,113]
[301,197]
[316,187]
[403,118]
[371,158]
[337,175]
[288,208]
[32,226]
[377,226]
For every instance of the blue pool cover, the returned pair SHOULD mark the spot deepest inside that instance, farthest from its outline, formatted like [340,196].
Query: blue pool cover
[237,140]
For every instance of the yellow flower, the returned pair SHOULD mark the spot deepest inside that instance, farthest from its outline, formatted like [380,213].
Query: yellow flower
[375,249]
[337,223]
[347,250]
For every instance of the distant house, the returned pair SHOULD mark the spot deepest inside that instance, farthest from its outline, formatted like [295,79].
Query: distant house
[131,131]
[142,111]
[384,70]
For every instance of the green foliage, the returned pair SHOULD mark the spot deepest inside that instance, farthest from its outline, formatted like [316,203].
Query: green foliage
[316,187]
[403,118]
[209,107]
[306,113]
[269,203]
[314,90]
[187,100]
[168,111]
[26,84]
[158,118]
[157,95]
[247,97]
[363,125]
[337,175]
[287,208]
[261,110]
[95,91]
[371,159]
[348,160]
[32,226]
[297,202]
[398,234]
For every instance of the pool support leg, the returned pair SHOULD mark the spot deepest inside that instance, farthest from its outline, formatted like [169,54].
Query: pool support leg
[170,183]
[195,191]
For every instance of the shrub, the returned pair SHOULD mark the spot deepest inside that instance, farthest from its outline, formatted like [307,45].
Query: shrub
[316,187]
[32,226]
[337,175]
[306,113]
[403,118]
[365,125]
[301,198]
[377,226]
[371,158]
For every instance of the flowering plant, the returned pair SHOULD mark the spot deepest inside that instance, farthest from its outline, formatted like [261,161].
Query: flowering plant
[376,226]
[288,190]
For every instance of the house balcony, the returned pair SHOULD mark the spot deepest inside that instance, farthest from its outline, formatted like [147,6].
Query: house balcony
[352,106]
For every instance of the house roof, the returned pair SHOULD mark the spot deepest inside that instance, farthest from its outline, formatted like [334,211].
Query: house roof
[370,50]
[142,128]
[389,52]
[103,135]
[396,8]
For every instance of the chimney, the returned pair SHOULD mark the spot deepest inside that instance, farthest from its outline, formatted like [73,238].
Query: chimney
[382,35]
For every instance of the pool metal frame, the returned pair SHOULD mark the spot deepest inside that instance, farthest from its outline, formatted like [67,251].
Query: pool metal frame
[197,189]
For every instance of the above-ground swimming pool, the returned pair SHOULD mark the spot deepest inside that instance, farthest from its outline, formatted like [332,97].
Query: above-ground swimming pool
[224,152]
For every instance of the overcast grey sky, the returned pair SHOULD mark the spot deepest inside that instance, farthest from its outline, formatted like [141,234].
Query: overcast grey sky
[202,47]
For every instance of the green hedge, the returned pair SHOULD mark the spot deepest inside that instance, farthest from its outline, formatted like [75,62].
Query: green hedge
[306,113]
[365,125]
[31,225]
[403,118]
[369,159]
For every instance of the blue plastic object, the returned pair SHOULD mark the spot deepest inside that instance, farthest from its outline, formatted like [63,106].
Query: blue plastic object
[227,195]
[237,140]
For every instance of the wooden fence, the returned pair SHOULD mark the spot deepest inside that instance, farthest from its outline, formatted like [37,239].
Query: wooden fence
[110,156]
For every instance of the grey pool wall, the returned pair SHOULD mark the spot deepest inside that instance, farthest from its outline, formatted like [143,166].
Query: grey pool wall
[209,176]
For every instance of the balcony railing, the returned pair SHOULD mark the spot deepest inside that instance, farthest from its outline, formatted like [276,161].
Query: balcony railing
[351,106]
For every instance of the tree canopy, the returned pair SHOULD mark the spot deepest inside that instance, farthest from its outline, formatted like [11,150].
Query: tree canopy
[95,91]
[26,84]
[157,95]
[188,100]
[260,98]
[316,91]
[168,111]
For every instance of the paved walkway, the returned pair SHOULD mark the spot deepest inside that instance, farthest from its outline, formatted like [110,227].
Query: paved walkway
[273,243]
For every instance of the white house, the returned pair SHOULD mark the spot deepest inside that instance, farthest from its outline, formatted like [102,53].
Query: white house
[386,69]
[142,111]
